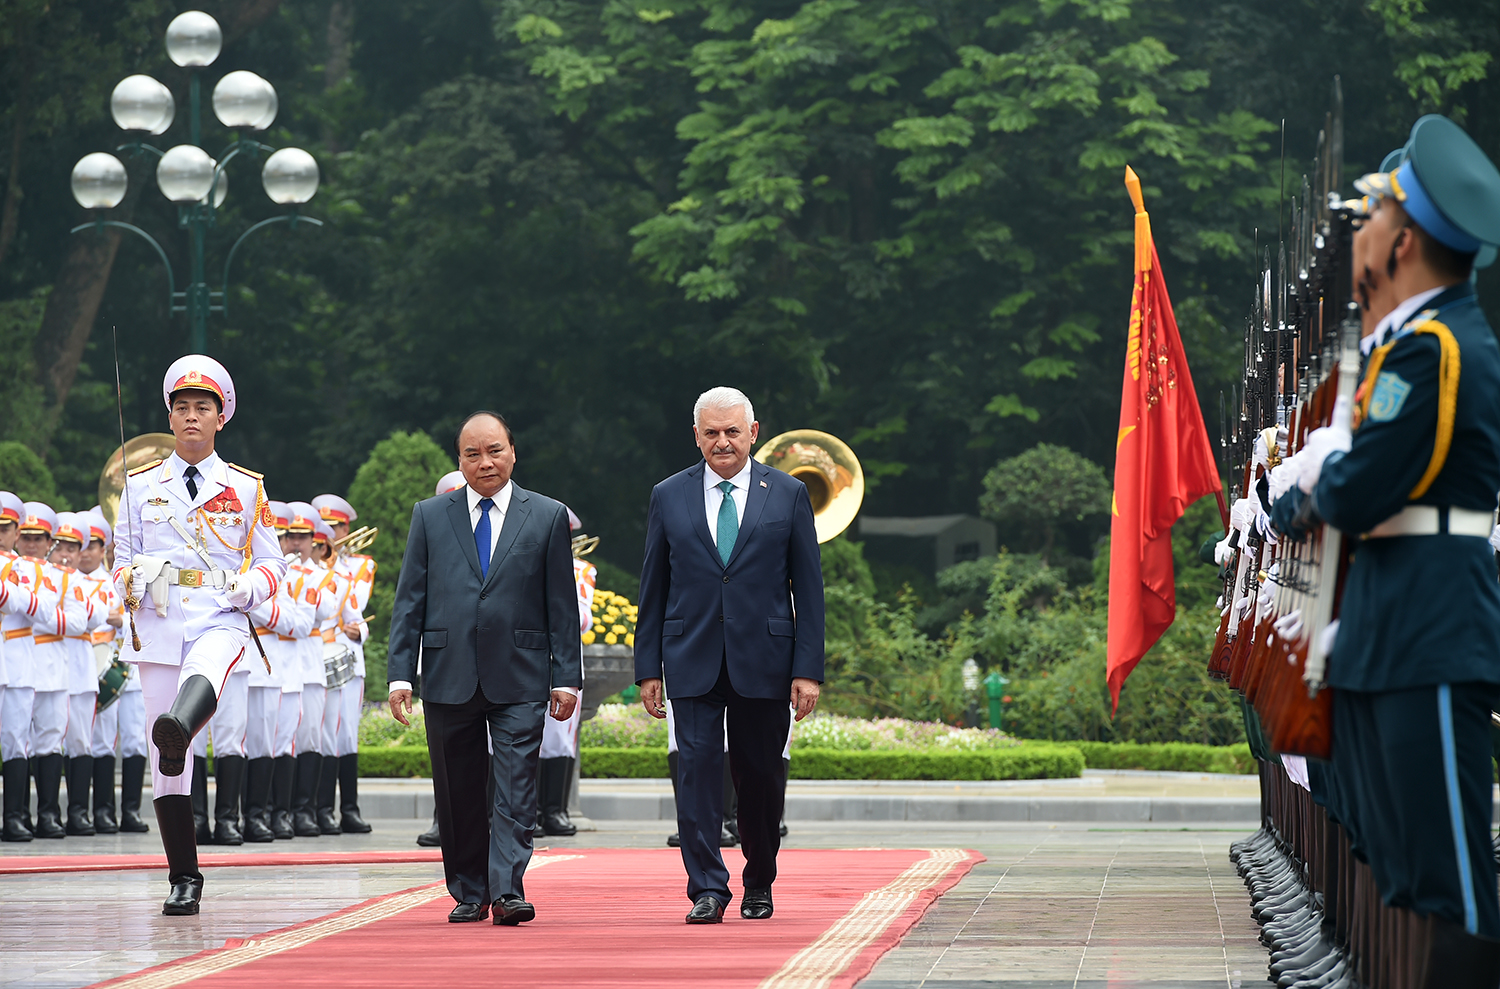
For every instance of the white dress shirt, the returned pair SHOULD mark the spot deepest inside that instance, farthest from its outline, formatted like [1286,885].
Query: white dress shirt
[501,499]
[1397,317]
[713,498]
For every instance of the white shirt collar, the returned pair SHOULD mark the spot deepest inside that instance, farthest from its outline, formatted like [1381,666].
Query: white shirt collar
[501,498]
[1397,317]
[208,467]
[711,479]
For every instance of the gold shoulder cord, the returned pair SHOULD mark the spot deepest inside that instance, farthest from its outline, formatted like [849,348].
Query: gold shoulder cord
[1448,374]
[246,549]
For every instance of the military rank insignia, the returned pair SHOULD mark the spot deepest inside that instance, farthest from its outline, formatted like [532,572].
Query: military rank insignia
[267,518]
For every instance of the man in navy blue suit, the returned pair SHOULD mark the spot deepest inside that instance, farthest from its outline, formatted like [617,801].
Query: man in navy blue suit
[731,617]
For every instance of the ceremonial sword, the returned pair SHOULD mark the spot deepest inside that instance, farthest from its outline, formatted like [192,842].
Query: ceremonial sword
[131,602]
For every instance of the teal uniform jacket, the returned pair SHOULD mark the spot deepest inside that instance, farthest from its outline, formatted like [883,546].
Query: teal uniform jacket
[1417,610]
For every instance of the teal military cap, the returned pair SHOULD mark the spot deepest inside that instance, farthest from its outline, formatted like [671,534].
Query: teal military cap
[1446,183]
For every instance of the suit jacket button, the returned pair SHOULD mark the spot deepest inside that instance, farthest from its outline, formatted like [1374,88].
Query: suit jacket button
[721,618]
[726,578]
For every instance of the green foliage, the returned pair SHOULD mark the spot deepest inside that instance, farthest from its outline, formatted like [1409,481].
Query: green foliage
[1175,757]
[21,412]
[1043,489]
[396,762]
[402,470]
[613,578]
[1029,762]
[23,473]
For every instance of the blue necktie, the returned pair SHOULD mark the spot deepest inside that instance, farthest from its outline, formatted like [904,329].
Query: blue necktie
[729,523]
[482,536]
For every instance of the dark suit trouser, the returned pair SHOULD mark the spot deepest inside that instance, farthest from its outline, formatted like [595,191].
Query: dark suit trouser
[757,734]
[485,850]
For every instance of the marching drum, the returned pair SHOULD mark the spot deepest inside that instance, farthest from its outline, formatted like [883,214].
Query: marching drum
[112,682]
[338,664]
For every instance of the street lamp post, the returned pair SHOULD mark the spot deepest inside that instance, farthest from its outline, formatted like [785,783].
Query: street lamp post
[186,174]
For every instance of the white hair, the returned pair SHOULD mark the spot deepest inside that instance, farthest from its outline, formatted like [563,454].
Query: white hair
[722,399]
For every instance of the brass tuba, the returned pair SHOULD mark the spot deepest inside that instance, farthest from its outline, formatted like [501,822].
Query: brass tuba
[835,482]
[141,450]
[357,541]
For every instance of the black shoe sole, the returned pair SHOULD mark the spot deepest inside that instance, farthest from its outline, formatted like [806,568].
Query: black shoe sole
[519,917]
[179,910]
[171,742]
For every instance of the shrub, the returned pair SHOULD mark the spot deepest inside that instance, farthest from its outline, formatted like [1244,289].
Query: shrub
[395,762]
[23,473]
[1168,757]
[1028,762]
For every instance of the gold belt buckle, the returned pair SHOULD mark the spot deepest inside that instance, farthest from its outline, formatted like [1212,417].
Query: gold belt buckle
[190,578]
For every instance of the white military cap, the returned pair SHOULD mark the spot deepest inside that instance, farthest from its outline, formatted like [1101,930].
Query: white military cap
[451,481]
[98,528]
[36,517]
[72,526]
[331,508]
[304,517]
[11,507]
[322,531]
[202,373]
[573,522]
[281,512]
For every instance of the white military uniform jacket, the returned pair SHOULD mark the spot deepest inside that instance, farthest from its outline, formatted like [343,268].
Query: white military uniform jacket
[230,518]
[35,654]
[359,570]
[107,634]
[83,671]
[332,588]
[14,600]
[294,620]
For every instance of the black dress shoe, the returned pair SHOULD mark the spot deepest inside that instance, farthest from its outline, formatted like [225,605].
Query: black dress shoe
[186,892]
[674,840]
[756,904]
[225,833]
[706,910]
[512,910]
[430,837]
[467,913]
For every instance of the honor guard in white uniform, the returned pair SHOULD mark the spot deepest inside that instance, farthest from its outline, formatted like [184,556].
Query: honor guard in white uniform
[121,718]
[82,672]
[451,481]
[195,551]
[35,714]
[309,742]
[359,569]
[274,618]
[18,603]
[338,663]
[299,600]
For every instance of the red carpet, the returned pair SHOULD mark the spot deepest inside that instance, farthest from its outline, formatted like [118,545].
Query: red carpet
[20,865]
[610,917]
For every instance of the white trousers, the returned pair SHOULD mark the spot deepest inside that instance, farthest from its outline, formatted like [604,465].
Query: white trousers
[229,720]
[212,655]
[79,738]
[125,721]
[49,721]
[262,705]
[310,730]
[352,707]
[560,738]
[15,722]
[288,720]
[333,710]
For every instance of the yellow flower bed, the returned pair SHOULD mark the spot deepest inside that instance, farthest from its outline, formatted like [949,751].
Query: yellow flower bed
[614,620]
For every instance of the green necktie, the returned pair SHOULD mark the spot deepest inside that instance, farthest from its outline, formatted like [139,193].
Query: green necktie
[729,523]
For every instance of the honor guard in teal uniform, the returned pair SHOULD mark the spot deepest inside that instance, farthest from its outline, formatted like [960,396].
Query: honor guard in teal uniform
[195,552]
[1415,663]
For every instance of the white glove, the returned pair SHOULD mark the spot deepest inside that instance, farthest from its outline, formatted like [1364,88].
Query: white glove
[1320,443]
[1241,514]
[1325,641]
[239,589]
[1283,476]
[1265,599]
[1289,626]
[1495,539]
[1223,552]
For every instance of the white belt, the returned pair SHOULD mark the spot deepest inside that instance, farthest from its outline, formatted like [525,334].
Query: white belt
[216,578]
[1432,520]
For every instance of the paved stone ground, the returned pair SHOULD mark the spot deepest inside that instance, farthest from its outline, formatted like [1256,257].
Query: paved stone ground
[1054,906]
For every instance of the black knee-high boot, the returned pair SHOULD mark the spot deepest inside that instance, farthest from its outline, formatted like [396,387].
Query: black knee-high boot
[328,782]
[729,835]
[80,776]
[786,777]
[283,785]
[349,820]
[674,840]
[174,731]
[17,798]
[555,776]
[174,816]
[199,798]
[132,777]
[258,773]
[49,773]
[105,821]
[229,774]
[304,805]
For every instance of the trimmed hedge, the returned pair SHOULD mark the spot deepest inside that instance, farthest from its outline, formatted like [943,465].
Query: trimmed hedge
[1182,757]
[1032,760]
[1022,763]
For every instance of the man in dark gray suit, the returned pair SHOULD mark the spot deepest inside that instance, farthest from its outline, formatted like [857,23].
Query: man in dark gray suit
[486,591]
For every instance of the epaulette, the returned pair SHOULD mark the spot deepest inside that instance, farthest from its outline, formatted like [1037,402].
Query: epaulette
[145,467]
[251,473]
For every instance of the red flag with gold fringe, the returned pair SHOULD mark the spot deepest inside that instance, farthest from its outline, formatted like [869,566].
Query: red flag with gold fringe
[1163,463]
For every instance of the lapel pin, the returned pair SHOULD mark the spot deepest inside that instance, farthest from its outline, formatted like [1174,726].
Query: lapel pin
[764,484]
